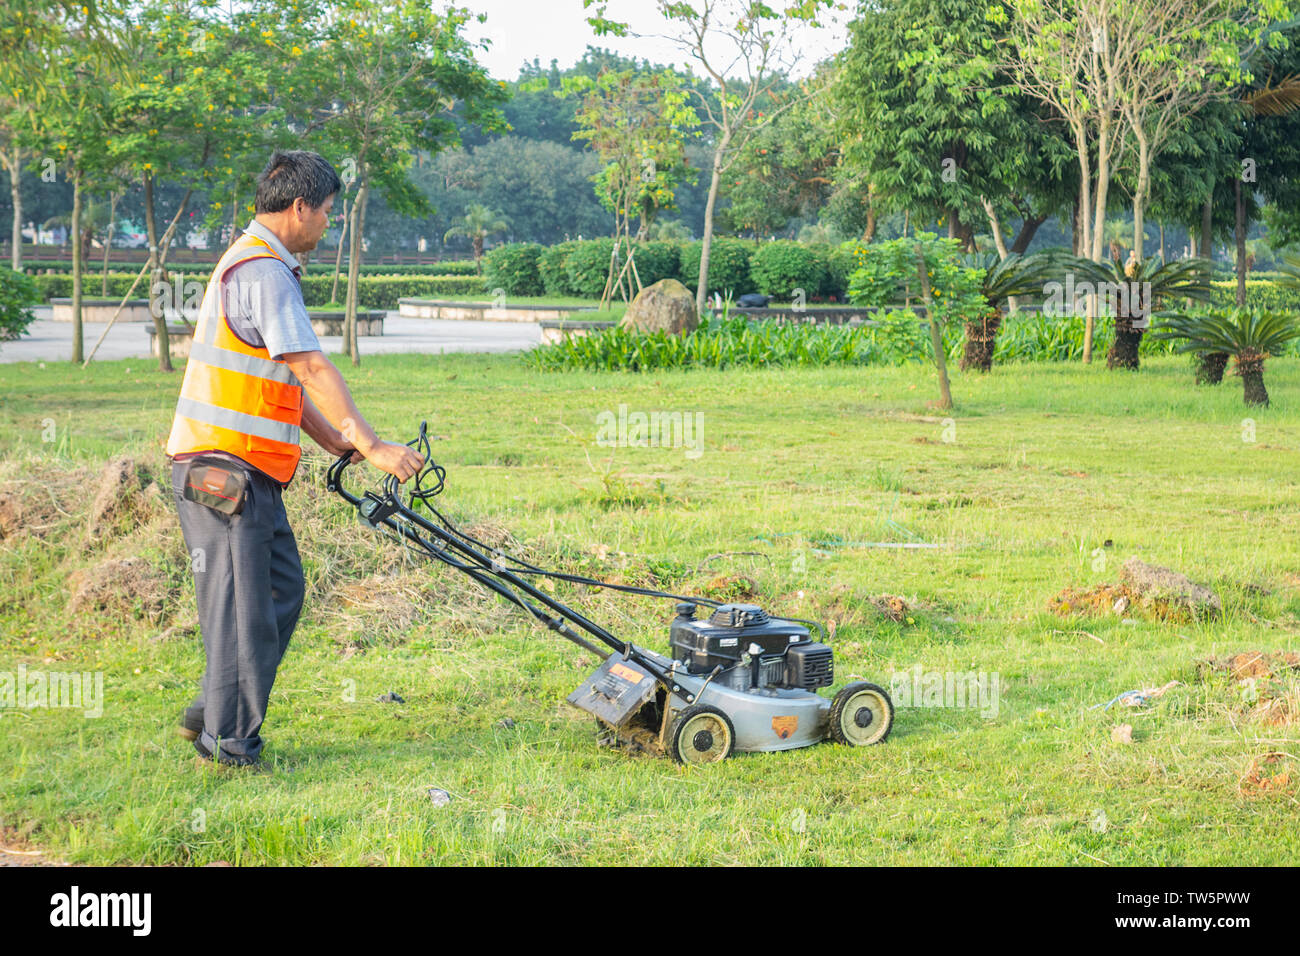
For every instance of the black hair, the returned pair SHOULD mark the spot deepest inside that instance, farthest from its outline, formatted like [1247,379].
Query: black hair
[293,173]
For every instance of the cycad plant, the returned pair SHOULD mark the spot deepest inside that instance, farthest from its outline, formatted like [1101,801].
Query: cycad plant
[1001,279]
[1137,289]
[477,224]
[1249,335]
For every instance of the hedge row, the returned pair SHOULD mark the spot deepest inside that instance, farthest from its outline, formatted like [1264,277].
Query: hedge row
[736,266]
[374,292]
[93,268]
[1260,294]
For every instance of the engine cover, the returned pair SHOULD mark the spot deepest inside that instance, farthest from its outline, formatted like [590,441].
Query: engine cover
[729,633]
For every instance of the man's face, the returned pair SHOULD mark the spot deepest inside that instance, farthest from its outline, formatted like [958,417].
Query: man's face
[311,223]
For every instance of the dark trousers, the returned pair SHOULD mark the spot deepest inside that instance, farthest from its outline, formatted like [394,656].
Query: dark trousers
[249,586]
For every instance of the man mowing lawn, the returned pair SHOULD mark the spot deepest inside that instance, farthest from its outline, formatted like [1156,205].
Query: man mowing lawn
[255,375]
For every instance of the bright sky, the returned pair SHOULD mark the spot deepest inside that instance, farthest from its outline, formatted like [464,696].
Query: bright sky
[557,29]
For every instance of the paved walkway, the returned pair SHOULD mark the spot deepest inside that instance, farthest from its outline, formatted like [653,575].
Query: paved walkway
[48,341]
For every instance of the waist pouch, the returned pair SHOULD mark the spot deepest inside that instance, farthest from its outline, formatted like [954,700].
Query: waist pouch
[215,483]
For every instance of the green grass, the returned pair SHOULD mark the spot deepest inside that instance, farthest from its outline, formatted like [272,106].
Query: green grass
[1048,463]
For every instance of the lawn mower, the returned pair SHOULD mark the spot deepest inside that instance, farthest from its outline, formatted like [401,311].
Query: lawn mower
[738,679]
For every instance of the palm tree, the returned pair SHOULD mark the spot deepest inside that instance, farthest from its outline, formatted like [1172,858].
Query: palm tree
[1141,286]
[478,223]
[1249,335]
[1002,279]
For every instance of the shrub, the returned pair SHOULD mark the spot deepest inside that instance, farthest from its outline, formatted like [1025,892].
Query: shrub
[780,267]
[17,294]
[373,292]
[1261,295]
[588,267]
[551,268]
[658,260]
[382,292]
[838,261]
[716,343]
[513,267]
[728,266]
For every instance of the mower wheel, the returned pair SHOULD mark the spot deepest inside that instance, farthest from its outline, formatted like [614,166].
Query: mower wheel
[702,734]
[861,714]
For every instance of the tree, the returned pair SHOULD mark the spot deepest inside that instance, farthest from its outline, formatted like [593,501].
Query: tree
[1121,69]
[746,48]
[937,130]
[787,169]
[381,83]
[479,223]
[636,123]
[61,107]
[190,109]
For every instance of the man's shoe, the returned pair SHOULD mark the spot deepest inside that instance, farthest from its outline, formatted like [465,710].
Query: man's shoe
[191,724]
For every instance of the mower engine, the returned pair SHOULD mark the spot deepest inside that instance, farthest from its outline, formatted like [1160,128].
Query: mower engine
[753,649]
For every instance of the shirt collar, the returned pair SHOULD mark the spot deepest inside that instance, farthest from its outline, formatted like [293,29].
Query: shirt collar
[260,231]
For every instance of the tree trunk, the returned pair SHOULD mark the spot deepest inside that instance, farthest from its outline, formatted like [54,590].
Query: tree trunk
[1124,351]
[13,162]
[157,308]
[702,290]
[1240,204]
[77,343]
[478,255]
[354,273]
[1140,194]
[981,339]
[1207,226]
[338,253]
[936,335]
[1210,367]
[1251,366]
[1162,242]
[869,232]
[1028,228]
[1075,236]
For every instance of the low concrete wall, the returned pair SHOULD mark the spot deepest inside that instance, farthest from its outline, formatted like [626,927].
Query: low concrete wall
[179,338]
[482,311]
[324,322]
[102,310]
[553,330]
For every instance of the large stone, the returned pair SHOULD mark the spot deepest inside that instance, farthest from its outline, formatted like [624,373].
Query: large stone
[666,306]
[1165,591]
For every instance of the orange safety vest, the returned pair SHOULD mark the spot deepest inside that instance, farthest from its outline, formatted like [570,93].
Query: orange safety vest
[235,398]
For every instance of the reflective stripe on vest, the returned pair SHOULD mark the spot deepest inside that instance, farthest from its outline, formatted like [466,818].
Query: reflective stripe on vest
[235,398]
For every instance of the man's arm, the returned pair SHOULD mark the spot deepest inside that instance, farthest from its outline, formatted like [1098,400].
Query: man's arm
[330,398]
[326,435]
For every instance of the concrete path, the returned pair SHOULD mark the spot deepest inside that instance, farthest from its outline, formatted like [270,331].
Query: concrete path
[49,341]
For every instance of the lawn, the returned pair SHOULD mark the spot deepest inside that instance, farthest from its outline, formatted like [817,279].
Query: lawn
[1048,476]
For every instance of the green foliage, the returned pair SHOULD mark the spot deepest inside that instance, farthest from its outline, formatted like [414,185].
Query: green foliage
[658,260]
[513,267]
[17,294]
[551,268]
[839,265]
[373,292]
[1260,294]
[728,266]
[780,267]
[587,267]
[887,274]
[1234,331]
[716,343]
